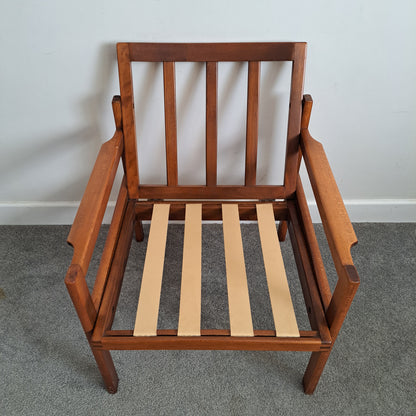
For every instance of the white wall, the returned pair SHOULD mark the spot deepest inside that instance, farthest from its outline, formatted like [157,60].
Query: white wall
[58,74]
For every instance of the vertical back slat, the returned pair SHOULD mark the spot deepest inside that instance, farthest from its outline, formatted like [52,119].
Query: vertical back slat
[295,114]
[211,123]
[252,122]
[170,123]
[129,132]
[190,303]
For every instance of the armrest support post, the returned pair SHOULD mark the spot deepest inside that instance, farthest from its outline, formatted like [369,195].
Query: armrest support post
[306,111]
[81,298]
[116,104]
[306,115]
[342,297]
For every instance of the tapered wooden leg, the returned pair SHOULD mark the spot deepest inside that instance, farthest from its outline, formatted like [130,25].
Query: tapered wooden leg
[314,370]
[107,369]
[282,230]
[138,228]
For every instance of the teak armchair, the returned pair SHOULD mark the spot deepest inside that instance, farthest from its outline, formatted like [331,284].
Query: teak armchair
[266,204]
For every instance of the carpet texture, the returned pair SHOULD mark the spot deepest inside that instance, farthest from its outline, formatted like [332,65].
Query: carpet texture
[46,367]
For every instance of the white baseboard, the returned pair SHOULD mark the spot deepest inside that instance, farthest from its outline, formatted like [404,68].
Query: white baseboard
[47,213]
[43,213]
[375,210]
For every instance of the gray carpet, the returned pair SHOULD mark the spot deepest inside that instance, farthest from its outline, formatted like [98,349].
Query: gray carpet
[46,367]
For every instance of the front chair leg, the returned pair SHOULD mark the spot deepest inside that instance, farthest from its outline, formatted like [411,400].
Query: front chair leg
[314,370]
[106,366]
[138,228]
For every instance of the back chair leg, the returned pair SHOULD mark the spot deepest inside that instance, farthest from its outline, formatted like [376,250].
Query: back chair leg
[282,230]
[106,366]
[138,228]
[314,370]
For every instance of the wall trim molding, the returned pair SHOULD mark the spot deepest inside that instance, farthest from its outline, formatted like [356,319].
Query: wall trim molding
[375,210]
[63,212]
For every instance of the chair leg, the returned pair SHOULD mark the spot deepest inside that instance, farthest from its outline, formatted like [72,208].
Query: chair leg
[282,230]
[138,228]
[107,369]
[314,370]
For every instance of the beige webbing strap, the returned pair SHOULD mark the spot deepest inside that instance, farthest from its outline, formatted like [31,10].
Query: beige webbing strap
[282,307]
[190,304]
[238,298]
[149,299]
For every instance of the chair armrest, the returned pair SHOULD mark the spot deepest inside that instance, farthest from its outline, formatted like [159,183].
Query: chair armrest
[338,229]
[87,222]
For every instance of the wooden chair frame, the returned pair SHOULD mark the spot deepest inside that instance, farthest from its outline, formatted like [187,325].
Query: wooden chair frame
[287,203]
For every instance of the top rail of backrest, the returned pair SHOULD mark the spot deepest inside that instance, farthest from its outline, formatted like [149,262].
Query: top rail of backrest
[203,52]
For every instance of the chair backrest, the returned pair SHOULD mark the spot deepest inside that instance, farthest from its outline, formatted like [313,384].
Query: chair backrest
[211,53]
